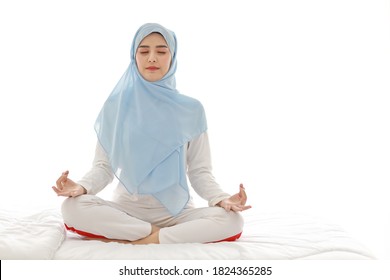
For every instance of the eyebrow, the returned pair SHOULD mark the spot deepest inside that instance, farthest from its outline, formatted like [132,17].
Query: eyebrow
[158,46]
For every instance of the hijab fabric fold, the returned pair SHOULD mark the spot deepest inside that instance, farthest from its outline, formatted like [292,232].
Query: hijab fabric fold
[144,128]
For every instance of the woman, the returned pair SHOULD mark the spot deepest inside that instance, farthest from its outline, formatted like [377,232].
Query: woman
[151,138]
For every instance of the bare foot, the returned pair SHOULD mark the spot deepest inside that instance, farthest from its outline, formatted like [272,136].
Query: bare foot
[150,239]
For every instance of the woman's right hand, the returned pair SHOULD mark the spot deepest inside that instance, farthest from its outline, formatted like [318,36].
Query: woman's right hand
[67,187]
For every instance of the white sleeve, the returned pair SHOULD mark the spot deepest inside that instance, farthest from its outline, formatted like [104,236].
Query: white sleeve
[199,170]
[100,175]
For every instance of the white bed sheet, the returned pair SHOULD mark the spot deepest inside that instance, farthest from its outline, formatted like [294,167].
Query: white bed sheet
[270,236]
[267,236]
[35,236]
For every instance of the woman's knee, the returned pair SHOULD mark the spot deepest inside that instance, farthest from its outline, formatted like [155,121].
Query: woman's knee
[232,220]
[236,221]
[231,225]
[73,207]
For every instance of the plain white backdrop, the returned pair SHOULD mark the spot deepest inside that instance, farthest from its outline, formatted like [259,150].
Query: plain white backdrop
[296,94]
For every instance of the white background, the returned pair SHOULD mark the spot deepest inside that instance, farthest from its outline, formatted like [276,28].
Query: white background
[296,94]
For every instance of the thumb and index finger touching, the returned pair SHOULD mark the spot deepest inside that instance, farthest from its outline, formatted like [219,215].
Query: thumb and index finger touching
[61,181]
[243,197]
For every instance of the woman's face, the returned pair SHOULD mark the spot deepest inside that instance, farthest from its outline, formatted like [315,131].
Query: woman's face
[153,57]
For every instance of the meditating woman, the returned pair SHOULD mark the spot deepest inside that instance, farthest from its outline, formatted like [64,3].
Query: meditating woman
[151,137]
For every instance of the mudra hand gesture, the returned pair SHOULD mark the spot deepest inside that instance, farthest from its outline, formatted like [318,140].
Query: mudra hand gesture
[235,202]
[67,187]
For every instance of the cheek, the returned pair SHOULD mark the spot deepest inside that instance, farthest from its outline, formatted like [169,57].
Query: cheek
[138,62]
[167,63]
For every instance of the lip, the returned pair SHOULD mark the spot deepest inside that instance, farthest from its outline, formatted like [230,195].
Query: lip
[152,68]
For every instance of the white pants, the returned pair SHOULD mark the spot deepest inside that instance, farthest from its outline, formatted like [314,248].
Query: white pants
[129,219]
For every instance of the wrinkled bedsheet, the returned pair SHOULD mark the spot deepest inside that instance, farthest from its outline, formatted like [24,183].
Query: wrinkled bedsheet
[271,236]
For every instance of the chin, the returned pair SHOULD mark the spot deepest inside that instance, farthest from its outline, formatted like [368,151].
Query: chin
[152,79]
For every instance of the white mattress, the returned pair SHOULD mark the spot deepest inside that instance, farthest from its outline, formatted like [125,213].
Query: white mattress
[35,236]
[271,236]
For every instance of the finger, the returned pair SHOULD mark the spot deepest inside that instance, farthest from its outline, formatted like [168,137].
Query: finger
[60,192]
[242,189]
[240,208]
[236,208]
[242,194]
[55,189]
[62,180]
[60,183]
[64,174]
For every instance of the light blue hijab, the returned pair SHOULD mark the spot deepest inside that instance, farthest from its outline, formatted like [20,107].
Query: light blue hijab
[144,128]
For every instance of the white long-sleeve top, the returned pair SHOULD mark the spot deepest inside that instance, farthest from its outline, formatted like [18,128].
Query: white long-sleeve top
[199,172]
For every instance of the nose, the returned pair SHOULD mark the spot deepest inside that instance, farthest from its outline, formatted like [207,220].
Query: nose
[152,57]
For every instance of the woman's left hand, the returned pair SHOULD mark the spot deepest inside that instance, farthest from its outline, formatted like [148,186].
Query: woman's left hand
[235,202]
